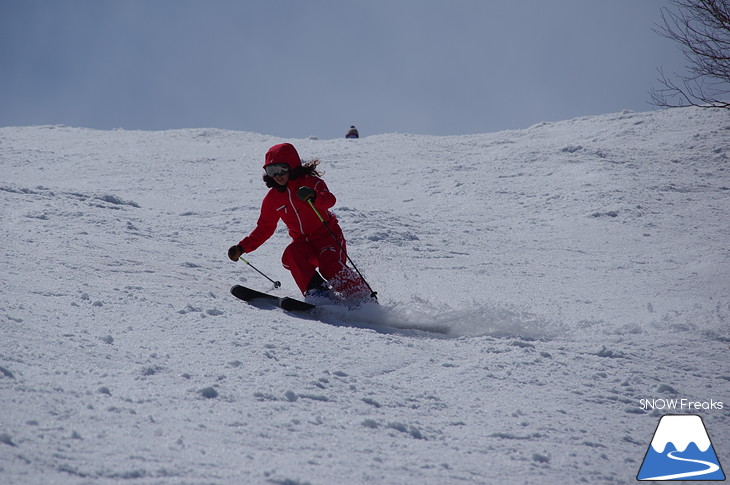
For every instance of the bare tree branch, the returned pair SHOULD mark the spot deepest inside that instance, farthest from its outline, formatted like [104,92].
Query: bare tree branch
[702,30]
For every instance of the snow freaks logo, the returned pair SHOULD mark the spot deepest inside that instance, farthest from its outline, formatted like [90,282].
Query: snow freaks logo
[680,404]
[681,450]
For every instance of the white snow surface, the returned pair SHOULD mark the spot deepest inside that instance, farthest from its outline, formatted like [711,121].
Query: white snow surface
[534,286]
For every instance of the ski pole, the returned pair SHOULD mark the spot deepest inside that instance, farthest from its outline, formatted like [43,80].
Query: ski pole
[373,294]
[277,284]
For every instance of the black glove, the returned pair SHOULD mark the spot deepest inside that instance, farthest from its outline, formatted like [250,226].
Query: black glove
[306,194]
[235,252]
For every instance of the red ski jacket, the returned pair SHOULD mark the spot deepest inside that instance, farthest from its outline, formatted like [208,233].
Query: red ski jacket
[298,216]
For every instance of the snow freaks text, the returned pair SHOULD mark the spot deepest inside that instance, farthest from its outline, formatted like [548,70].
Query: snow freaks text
[680,404]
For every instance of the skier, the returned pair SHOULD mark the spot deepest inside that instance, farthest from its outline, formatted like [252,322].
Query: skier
[352,133]
[316,261]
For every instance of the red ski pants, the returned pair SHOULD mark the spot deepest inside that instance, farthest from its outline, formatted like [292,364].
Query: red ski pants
[304,257]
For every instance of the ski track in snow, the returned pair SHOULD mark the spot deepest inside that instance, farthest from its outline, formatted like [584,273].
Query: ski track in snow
[534,286]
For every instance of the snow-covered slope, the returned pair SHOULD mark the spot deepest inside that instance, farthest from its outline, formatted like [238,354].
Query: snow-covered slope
[576,268]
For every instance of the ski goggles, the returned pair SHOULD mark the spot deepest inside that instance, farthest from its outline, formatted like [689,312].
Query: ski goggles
[276,169]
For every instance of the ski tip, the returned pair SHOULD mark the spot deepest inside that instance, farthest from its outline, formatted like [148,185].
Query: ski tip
[291,304]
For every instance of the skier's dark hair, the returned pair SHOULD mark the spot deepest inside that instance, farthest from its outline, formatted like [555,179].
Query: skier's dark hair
[309,168]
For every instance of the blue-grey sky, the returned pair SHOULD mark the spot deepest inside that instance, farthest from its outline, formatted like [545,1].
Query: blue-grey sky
[298,68]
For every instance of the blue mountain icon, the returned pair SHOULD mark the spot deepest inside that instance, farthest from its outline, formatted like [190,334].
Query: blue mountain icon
[681,450]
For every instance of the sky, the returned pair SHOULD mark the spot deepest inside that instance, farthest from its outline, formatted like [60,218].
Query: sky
[301,68]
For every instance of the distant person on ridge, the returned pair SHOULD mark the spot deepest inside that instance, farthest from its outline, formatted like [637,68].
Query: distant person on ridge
[352,133]
[316,261]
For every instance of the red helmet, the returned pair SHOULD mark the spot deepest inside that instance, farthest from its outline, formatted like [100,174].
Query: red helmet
[284,153]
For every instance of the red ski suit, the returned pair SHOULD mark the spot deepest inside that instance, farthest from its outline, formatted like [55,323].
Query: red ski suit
[313,246]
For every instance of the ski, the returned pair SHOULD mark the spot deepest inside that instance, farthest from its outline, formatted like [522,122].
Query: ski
[285,303]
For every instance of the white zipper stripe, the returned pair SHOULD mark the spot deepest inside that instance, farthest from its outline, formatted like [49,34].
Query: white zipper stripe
[301,227]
